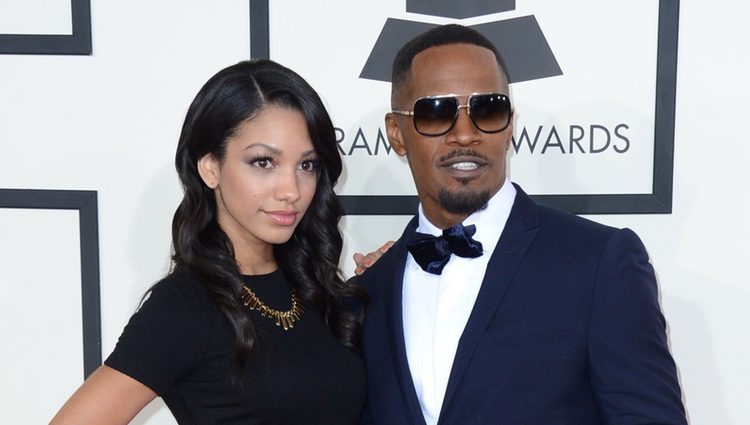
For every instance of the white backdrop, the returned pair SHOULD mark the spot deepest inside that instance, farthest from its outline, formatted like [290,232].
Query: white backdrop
[109,122]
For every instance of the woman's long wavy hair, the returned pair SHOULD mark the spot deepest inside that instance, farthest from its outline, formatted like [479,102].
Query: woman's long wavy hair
[310,258]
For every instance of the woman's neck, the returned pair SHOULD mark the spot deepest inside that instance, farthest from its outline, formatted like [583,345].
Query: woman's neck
[254,259]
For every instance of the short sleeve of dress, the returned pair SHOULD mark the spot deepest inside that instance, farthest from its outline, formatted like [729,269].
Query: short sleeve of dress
[168,335]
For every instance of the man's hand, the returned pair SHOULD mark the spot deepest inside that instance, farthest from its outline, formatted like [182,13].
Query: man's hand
[364,262]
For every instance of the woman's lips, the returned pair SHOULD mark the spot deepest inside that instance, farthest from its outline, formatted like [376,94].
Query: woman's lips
[284,218]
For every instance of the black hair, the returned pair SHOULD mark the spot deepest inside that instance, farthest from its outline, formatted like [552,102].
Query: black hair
[439,36]
[232,97]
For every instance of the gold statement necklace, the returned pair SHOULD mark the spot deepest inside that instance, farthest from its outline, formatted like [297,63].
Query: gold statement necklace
[284,319]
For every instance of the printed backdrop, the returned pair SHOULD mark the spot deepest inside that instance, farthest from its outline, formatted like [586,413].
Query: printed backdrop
[93,94]
[583,85]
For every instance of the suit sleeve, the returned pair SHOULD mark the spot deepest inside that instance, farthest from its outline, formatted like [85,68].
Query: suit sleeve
[630,367]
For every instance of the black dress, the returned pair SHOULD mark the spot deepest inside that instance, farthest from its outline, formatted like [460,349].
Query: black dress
[180,345]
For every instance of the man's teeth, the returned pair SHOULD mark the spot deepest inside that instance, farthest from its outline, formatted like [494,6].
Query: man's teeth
[465,166]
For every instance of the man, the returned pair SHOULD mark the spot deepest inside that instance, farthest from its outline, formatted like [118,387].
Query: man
[518,314]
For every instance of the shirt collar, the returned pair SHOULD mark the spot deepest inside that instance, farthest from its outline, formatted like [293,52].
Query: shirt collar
[490,221]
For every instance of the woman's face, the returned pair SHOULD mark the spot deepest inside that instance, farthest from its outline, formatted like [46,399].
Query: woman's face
[266,181]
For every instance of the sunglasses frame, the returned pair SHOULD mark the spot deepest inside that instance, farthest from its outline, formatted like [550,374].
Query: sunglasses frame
[458,109]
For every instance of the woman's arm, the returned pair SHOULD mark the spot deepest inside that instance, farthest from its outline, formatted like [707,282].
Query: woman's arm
[107,397]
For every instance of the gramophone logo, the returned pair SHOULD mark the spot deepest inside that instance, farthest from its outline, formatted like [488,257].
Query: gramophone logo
[520,40]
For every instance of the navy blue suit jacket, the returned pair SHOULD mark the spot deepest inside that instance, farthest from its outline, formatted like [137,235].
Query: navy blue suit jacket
[566,330]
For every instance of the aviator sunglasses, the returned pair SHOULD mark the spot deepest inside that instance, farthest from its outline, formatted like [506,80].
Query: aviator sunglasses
[436,115]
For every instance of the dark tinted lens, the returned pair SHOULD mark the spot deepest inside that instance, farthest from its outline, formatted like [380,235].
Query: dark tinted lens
[490,112]
[434,116]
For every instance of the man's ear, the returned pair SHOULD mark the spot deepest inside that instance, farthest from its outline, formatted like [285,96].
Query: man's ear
[395,136]
[209,170]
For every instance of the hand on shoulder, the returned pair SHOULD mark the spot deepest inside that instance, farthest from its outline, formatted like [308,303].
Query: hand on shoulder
[364,262]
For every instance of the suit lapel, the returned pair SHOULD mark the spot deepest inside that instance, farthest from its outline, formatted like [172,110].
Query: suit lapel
[394,315]
[520,230]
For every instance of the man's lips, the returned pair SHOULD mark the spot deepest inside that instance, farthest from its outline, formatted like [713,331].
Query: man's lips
[464,165]
[281,217]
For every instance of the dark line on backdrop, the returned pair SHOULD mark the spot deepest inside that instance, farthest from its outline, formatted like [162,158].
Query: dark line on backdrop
[576,204]
[85,201]
[666,89]
[259,30]
[78,43]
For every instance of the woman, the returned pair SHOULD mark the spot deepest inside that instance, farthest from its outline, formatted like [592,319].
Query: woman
[252,326]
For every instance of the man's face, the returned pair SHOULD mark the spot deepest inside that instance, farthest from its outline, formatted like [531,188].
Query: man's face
[456,173]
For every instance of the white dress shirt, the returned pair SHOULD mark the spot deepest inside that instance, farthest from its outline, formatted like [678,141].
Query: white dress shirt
[437,307]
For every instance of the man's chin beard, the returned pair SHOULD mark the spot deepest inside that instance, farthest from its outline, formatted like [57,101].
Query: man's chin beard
[463,201]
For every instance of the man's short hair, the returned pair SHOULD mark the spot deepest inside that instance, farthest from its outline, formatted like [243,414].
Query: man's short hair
[439,36]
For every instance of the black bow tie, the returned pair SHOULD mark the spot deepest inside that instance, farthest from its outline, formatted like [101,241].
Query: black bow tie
[433,252]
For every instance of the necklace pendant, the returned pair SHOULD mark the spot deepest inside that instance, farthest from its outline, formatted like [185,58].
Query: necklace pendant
[284,319]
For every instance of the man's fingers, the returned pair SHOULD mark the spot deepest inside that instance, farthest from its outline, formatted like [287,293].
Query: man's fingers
[386,246]
[364,262]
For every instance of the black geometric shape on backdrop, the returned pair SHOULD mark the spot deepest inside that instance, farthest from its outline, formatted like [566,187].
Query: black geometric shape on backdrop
[85,202]
[459,9]
[394,34]
[78,43]
[523,46]
[520,41]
